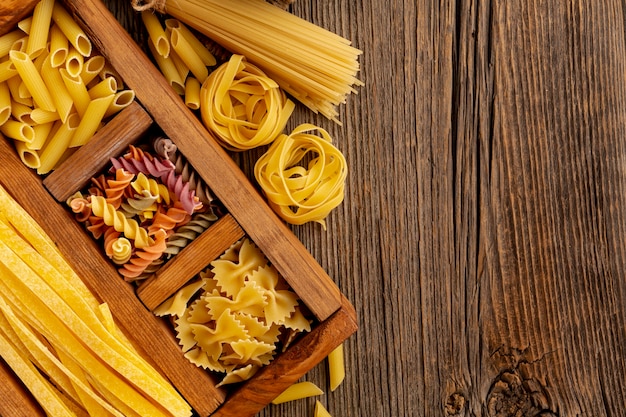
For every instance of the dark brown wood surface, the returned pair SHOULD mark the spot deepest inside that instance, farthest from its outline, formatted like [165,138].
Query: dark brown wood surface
[481,240]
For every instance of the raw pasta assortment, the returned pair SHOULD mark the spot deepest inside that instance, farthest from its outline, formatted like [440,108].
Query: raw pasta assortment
[245,108]
[149,205]
[55,90]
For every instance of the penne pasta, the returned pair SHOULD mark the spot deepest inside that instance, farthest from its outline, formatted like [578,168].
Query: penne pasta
[21,113]
[40,28]
[207,57]
[32,80]
[104,88]
[109,71]
[90,122]
[7,70]
[156,33]
[29,157]
[188,55]
[18,131]
[58,46]
[63,101]
[42,132]
[336,367]
[74,62]
[16,88]
[121,100]
[40,116]
[5,102]
[8,40]
[58,144]
[91,68]
[169,71]
[25,24]
[75,35]
[192,93]
[77,90]
[181,67]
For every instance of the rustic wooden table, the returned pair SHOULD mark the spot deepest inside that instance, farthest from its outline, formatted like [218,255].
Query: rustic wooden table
[482,238]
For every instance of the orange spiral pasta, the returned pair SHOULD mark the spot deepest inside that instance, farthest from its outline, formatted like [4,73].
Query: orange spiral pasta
[168,219]
[116,187]
[242,106]
[301,194]
[144,257]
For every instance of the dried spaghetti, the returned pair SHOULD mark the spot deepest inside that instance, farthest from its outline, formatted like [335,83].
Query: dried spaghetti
[298,194]
[317,67]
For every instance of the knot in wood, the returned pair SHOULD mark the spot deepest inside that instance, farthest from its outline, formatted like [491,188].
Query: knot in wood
[454,404]
[513,396]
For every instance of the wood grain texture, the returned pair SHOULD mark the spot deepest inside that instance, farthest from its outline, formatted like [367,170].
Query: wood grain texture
[152,338]
[193,259]
[14,401]
[307,278]
[90,159]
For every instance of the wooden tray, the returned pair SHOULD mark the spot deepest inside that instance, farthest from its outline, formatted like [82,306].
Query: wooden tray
[248,214]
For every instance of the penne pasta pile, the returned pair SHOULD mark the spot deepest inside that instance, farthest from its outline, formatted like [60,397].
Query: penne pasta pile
[55,91]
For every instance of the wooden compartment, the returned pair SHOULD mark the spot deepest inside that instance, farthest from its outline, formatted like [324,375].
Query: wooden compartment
[247,214]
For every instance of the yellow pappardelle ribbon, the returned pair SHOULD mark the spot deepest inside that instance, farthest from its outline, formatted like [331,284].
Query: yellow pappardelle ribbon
[301,194]
[242,106]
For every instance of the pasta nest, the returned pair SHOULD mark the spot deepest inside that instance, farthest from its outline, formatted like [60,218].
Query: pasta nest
[300,194]
[242,106]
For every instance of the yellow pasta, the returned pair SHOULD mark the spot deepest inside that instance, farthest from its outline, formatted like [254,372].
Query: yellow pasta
[25,25]
[156,33]
[42,132]
[32,80]
[121,100]
[188,55]
[192,93]
[40,116]
[298,194]
[18,131]
[7,71]
[28,156]
[298,391]
[242,106]
[77,91]
[74,62]
[91,120]
[112,217]
[53,79]
[58,46]
[92,67]
[336,368]
[104,88]
[22,113]
[18,92]
[205,55]
[5,102]
[168,69]
[58,144]
[40,27]
[74,34]
[320,411]
[180,65]
[8,40]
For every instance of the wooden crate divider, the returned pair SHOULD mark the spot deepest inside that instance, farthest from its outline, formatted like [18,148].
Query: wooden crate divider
[190,261]
[90,159]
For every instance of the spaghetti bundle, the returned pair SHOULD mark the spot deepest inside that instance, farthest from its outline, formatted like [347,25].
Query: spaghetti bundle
[317,67]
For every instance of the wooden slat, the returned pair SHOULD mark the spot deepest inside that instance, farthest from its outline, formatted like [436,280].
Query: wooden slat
[12,11]
[190,261]
[16,400]
[90,159]
[151,335]
[290,366]
[307,278]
